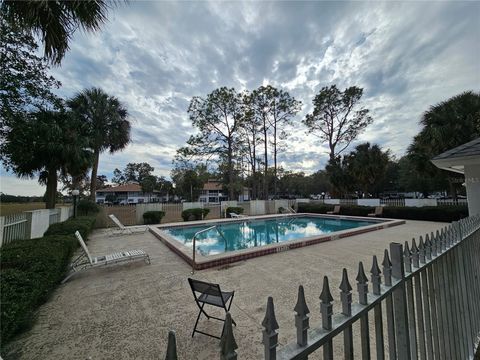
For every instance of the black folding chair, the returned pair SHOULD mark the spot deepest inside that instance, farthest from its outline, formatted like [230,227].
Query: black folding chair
[207,293]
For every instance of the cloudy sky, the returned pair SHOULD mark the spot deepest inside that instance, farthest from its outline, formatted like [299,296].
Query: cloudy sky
[155,56]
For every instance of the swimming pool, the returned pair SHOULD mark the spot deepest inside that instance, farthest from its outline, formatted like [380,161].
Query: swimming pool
[233,240]
[246,234]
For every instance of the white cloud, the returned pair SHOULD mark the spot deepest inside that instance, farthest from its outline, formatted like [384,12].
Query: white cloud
[155,56]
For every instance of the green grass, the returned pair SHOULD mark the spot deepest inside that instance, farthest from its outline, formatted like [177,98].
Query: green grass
[14,208]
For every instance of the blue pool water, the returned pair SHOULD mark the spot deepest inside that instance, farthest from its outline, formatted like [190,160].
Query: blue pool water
[253,233]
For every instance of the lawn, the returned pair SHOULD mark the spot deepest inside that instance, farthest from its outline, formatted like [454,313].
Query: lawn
[14,208]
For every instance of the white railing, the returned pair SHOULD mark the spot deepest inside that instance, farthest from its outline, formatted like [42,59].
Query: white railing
[30,224]
[13,227]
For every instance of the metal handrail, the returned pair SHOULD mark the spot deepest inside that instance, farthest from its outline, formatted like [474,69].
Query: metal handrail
[195,238]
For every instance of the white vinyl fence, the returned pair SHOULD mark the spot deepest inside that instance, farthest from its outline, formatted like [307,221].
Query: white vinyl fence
[133,214]
[31,224]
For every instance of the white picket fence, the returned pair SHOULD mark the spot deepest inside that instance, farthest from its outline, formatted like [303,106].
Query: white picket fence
[133,214]
[31,224]
[388,202]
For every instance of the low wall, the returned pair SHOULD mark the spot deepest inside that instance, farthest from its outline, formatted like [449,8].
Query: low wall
[368,202]
[257,207]
[332,201]
[38,222]
[420,202]
[193,205]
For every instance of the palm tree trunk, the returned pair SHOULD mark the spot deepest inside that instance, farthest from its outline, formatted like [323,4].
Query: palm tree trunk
[93,180]
[51,194]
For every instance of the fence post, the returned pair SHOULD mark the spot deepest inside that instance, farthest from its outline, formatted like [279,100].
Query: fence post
[301,318]
[362,288]
[400,303]
[2,226]
[346,299]
[228,345]
[270,335]
[326,308]
[171,347]
[29,230]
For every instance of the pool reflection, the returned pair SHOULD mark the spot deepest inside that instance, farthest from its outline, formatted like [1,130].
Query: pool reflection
[254,233]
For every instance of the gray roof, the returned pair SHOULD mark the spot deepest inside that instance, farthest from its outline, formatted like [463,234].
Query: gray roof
[471,148]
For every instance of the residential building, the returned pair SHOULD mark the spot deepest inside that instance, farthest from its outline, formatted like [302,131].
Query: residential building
[212,192]
[125,194]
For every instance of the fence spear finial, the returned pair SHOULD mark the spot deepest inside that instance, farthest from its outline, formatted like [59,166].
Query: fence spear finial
[302,322]
[421,250]
[376,279]
[415,253]
[228,345]
[171,346]
[428,247]
[326,307]
[387,268]
[362,285]
[407,257]
[270,335]
[346,294]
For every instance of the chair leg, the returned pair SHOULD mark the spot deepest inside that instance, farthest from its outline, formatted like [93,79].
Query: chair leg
[198,318]
[229,306]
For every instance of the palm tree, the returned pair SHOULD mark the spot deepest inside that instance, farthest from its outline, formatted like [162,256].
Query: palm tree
[56,21]
[45,144]
[444,126]
[106,120]
[449,124]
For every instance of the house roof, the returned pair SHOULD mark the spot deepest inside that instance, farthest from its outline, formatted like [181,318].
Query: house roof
[213,185]
[123,188]
[455,159]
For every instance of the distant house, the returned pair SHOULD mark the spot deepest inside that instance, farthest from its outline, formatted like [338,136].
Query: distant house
[125,194]
[212,192]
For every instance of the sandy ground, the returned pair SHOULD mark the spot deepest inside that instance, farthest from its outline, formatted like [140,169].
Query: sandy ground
[125,311]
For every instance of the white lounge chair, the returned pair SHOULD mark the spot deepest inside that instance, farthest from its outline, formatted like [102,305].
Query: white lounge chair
[234,215]
[378,211]
[125,230]
[85,261]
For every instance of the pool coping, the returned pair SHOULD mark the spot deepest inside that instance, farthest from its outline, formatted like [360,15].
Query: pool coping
[204,262]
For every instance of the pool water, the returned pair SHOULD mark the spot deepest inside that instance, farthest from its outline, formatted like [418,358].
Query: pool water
[253,233]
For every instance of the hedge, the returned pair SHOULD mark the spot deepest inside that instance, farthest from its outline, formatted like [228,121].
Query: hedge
[426,213]
[84,224]
[194,214]
[233,209]
[85,207]
[31,270]
[153,217]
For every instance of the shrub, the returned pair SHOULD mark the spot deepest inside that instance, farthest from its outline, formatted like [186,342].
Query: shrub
[233,209]
[426,213]
[314,208]
[153,217]
[84,224]
[85,207]
[30,271]
[194,214]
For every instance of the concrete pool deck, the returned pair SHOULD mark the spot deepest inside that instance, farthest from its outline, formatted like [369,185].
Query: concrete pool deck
[125,311]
